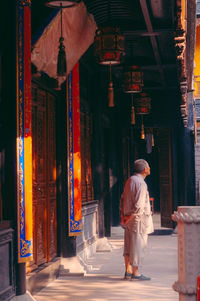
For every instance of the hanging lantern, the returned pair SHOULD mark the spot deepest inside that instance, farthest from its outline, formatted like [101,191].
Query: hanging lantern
[133,80]
[109,46]
[143,104]
[142,107]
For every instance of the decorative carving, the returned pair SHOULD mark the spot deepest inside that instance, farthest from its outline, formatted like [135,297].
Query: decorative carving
[183,108]
[26,247]
[180,46]
[178,17]
[75,226]
[181,71]
[183,86]
[186,217]
[180,43]
[178,13]
[185,121]
[184,289]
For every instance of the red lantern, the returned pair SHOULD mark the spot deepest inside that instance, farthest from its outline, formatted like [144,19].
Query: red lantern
[133,80]
[143,104]
[109,46]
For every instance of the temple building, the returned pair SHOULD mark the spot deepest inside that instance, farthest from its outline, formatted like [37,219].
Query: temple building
[86,88]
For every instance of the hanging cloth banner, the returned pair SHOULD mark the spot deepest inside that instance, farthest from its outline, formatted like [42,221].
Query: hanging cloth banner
[74,153]
[24,136]
[78,28]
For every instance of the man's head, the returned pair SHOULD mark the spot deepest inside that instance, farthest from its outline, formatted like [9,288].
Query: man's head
[142,167]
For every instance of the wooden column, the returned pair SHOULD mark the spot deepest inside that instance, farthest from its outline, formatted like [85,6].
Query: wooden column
[23,142]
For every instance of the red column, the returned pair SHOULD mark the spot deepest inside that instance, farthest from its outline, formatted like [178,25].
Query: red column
[23,134]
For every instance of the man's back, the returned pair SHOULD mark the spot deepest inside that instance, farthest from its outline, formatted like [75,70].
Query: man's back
[134,195]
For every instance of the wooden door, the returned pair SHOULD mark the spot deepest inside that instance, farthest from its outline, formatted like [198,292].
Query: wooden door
[165,175]
[44,177]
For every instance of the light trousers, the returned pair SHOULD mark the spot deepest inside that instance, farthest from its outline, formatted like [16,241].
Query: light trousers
[134,246]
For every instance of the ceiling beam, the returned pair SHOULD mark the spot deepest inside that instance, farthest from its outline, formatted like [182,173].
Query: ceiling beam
[147,19]
[159,88]
[155,67]
[144,33]
[144,67]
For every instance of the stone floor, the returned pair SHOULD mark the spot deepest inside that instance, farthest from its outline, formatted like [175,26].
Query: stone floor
[103,279]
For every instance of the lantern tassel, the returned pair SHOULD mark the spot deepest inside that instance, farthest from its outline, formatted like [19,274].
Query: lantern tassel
[142,130]
[110,91]
[132,111]
[61,63]
[111,95]
[132,115]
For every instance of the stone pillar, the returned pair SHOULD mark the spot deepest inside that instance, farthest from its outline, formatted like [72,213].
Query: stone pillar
[188,219]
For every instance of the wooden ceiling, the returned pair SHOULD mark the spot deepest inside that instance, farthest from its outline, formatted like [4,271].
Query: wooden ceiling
[148,27]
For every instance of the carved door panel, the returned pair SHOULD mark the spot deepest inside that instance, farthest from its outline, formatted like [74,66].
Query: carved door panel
[165,175]
[39,176]
[44,178]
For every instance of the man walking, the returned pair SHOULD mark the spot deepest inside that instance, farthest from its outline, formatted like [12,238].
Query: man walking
[136,219]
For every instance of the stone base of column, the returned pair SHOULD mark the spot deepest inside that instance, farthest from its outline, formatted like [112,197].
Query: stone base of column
[188,220]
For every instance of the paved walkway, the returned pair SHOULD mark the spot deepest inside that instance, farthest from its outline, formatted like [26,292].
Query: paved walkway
[104,276]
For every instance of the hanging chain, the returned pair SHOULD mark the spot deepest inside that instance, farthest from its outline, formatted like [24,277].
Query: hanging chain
[61,17]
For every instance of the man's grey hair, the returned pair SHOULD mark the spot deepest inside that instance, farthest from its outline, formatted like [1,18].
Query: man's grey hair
[139,165]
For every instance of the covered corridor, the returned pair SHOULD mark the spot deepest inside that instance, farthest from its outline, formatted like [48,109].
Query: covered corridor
[103,279]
